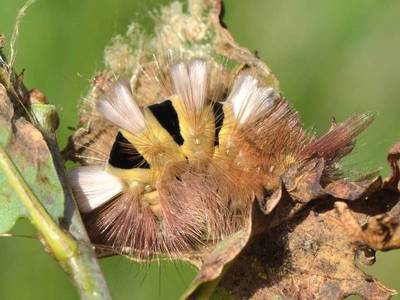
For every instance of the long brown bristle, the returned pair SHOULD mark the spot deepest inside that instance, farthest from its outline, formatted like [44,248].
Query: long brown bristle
[339,141]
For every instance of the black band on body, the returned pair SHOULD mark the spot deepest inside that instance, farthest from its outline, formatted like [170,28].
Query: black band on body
[124,155]
[166,115]
[219,120]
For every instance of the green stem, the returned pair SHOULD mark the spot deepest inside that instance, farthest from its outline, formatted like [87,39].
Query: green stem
[61,244]
[76,258]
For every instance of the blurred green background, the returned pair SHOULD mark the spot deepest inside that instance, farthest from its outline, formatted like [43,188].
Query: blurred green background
[333,58]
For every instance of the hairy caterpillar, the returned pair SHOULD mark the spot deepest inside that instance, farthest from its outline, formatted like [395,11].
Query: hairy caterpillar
[183,171]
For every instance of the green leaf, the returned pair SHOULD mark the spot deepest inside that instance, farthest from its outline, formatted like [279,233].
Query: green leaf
[29,152]
[32,175]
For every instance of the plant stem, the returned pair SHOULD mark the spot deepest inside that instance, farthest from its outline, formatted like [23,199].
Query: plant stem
[76,258]
[60,244]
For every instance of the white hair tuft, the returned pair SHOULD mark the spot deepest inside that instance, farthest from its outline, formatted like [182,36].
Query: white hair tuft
[119,107]
[190,83]
[93,186]
[249,101]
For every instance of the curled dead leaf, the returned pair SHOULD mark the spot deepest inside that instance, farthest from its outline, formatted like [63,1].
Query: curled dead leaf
[303,181]
[268,203]
[381,232]
[309,257]
[343,189]
[394,157]
[216,263]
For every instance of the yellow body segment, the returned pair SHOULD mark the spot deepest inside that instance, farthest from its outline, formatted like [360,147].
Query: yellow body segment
[144,176]
[155,144]
[226,135]
[153,200]
[197,130]
[139,180]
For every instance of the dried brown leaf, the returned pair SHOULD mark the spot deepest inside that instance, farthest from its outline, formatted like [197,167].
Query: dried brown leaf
[343,189]
[303,181]
[394,157]
[268,204]
[307,258]
[381,232]
[216,263]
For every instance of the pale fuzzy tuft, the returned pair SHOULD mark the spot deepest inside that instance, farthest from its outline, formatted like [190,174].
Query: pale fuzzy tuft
[249,101]
[190,83]
[93,186]
[119,107]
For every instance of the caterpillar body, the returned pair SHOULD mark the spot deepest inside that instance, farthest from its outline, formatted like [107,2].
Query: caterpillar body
[183,172]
